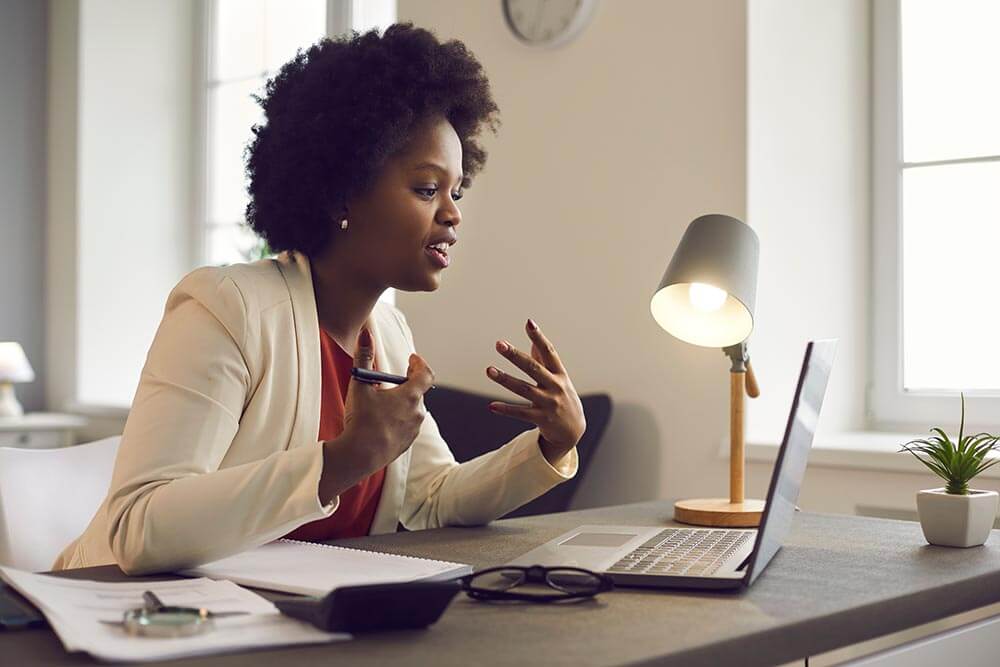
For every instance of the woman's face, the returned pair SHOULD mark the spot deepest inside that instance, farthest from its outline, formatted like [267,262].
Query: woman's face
[411,205]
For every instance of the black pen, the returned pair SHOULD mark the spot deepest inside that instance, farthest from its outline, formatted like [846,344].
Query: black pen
[374,377]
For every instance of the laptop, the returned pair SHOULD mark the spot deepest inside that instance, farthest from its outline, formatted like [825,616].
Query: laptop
[706,558]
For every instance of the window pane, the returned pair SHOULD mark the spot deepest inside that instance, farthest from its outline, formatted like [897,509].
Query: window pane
[228,244]
[951,100]
[239,39]
[291,25]
[232,113]
[368,14]
[951,233]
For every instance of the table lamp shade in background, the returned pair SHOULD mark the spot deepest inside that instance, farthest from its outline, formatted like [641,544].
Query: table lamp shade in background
[14,367]
[709,290]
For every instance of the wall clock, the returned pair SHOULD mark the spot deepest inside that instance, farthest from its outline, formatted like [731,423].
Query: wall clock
[548,23]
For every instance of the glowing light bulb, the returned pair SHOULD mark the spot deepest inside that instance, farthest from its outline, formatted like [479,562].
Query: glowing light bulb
[705,297]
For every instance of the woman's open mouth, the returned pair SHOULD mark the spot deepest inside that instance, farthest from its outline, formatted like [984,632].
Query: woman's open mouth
[438,255]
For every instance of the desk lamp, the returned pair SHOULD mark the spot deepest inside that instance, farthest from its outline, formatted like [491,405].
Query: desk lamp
[707,298]
[14,367]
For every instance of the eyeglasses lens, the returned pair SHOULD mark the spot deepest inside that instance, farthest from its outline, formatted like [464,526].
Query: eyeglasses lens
[498,581]
[573,581]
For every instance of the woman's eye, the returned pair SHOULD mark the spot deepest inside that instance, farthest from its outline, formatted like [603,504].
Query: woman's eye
[430,193]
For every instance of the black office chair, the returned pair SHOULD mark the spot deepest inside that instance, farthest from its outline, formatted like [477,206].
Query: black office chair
[470,429]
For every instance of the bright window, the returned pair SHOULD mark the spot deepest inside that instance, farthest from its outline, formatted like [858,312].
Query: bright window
[950,194]
[248,41]
[937,209]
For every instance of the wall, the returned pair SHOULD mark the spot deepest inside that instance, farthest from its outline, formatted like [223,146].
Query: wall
[23,37]
[808,192]
[121,177]
[610,146]
[136,165]
[661,111]
[809,198]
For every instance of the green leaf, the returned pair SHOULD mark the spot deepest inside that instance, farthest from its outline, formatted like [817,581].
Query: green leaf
[984,466]
[935,467]
[961,426]
[959,461]
[945,441]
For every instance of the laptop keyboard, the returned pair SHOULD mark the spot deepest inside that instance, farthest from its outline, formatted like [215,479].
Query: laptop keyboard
[683,551]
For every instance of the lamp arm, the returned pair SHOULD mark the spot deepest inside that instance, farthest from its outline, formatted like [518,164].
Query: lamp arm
[753,389]
[741,364]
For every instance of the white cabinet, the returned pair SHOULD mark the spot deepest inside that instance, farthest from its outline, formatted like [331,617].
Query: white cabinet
[970,646]
[969,639]
[39,430]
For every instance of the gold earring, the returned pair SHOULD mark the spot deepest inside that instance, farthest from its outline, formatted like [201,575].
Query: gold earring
[343,223]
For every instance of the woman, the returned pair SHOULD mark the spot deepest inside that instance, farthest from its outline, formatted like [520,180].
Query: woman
[246,425]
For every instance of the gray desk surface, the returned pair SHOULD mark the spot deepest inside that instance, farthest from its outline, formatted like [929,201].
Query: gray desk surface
[839,580]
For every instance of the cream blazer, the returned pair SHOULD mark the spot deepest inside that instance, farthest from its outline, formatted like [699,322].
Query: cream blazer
[220,452]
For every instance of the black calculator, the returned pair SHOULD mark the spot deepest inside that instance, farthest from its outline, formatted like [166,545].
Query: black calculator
[373,607]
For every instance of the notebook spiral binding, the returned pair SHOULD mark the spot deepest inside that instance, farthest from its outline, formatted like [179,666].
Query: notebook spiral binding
[366,550]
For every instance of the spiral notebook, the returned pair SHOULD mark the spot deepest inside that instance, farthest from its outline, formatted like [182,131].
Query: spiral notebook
[308,568]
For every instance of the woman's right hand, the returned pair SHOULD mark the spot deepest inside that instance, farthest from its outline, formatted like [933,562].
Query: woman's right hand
[384,422]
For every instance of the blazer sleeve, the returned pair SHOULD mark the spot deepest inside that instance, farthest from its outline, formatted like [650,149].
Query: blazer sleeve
[441,491]
[170,506]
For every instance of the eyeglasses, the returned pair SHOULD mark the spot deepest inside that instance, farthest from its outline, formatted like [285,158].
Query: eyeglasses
[538,583]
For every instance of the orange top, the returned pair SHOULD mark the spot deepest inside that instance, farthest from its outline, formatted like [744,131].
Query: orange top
[353,517]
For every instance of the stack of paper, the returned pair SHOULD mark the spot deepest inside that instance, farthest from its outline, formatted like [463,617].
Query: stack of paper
[76,609]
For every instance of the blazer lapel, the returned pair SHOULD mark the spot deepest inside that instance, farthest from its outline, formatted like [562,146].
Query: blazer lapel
[295,268]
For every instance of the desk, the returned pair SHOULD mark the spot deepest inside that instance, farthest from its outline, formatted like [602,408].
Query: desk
[838,581]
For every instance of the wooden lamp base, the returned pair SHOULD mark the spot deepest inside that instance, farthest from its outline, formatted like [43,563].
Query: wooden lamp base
[719,512]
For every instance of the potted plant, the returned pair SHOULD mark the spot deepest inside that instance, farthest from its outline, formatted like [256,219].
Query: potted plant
[955,515]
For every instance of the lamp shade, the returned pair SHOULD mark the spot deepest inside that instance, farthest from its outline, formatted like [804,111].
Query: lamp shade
[708,292]
[14,366]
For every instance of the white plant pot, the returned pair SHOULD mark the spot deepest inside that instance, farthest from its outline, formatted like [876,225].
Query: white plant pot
[950,520]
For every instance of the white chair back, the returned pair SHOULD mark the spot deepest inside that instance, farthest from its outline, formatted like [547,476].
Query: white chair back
[48,497]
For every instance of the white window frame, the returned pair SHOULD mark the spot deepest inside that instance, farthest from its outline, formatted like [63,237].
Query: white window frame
[890,406]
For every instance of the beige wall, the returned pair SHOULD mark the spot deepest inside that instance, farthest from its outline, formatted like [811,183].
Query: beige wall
[808,196]
[136,157]
[808,170]
[609,147]
[121,154]
[661,111]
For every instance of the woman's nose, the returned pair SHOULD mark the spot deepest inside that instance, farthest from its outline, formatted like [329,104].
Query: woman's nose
[450,215]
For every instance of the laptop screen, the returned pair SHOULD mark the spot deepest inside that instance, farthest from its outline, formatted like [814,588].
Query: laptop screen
[790,467]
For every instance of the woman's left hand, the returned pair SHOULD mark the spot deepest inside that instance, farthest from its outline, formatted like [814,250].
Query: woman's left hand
[554,405]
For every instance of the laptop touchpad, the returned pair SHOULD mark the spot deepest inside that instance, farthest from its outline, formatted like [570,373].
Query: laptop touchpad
[597,540]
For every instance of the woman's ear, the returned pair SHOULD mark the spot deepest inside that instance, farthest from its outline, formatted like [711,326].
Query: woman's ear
[338,215]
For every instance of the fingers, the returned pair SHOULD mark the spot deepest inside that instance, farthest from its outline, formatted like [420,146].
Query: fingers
[419,375]
[519,387]
[364,356]
[532,367]
[525,413]
[545,350]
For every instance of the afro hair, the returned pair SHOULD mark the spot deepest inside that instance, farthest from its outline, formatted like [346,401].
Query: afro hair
[339,109]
